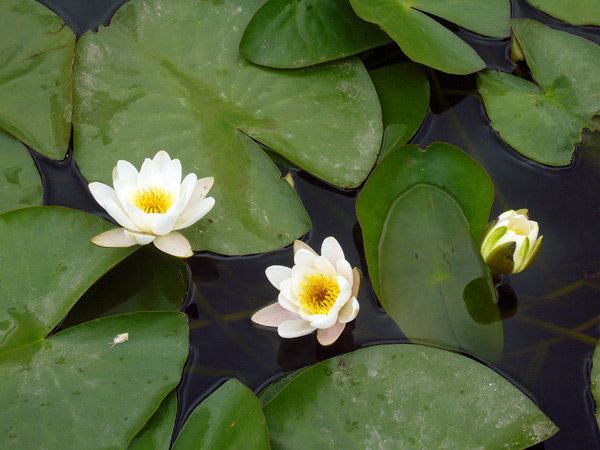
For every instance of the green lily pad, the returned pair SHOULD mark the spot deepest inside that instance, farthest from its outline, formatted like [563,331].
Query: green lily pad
[428,42]
[74,390]
[36,61]
[580,12]
[544,121]
[596,381]
[403,396]
[157,432]
[229,419]
[188,90]
[403,91]
[428,264]
[147,280]
[20,185]
[268,393]
[440,164]
[300,33]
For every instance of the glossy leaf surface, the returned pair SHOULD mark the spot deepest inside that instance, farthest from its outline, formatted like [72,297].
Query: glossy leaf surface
[428,263]
[543,121]
[428,42]
[575,12]
[403,91]
[291,33]
[20,183]
[440,164]
[157,432]
[189,91]
[36,63]
[229,419]
[414,396]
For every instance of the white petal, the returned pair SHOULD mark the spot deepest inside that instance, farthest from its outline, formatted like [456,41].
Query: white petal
[298,245]
[324,320]
[278,274]
[273,315]
[164,224]
[202,187]
[150,176]
[194,213]
[304,257]
[506,215]
[171,174]
[344,269]
[125,192]
[287,304]
[355,282]
[178,206]
[127,173]
[140,238]
[116,212]
[141,220]
[113,238]
[533,234]
[329,335]
[286,289]
[174,244]
[161,159]
[101,192]
[331,250]
[187,188]
[323,265]
[349,311]
[294,328]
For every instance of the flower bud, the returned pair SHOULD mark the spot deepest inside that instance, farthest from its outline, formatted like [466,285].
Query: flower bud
[510,243]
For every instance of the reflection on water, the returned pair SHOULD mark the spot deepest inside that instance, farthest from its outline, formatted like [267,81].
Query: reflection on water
[550,331]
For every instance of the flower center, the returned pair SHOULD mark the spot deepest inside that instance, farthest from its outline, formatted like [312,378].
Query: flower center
[153,200]
[516,231]
[320,293]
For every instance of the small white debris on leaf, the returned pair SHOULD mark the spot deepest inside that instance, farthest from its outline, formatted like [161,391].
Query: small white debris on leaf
[119,339]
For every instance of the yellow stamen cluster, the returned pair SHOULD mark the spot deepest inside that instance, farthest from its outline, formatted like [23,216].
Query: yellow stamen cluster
[319,293]
[516,231]
[153,200]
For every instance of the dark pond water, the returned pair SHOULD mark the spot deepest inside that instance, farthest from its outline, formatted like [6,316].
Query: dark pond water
[551,312]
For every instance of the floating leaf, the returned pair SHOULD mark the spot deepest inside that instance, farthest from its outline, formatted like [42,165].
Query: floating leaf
[156,434]
[440,164]
[543,121]
[188,90]
[596,381]
[299,33]
[36,62]
[425,40]
[268,393]
[148,280]
[427,264]
[229,419]
[75,390]
[582,12]
[20,185]
[403,396]
[403,91]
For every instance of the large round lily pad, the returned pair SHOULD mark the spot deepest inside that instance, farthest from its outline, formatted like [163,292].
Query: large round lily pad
[425,40]
[229,419]
[20,183]
[543,120]
[403,396]
[36,63]
[576,12]
[440,164]
[292,33]
[168,75]
[157,432]
[434,283]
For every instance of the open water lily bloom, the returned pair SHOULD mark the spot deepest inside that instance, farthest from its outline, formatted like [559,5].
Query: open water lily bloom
[318,293]
[510,243]
[150,205]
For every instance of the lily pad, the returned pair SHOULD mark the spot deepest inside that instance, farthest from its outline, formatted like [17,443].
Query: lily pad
[415,397]
[579,12]
[36,62]
[157,432]
[229,419]
[440,164]
[55,392]
[300,33]
[428,265]
[403,91]
[20,185]
[189,91]
[544,121]
[596,381]
[428,42]
[147,280]
[268,393]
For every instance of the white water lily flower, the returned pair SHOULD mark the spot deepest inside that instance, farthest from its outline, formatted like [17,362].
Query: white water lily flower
[318,293]
[152,204]
[510,243]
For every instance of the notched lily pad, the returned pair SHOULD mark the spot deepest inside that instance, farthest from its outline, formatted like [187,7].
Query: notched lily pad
[300,33]
[425,40]
[36,63]
[544,120]
[20,183]
[416,397]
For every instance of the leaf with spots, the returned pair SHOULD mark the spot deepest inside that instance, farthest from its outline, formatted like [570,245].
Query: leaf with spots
[403,396]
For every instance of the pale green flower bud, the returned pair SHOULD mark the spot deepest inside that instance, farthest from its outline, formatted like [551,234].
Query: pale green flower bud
[510,243]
